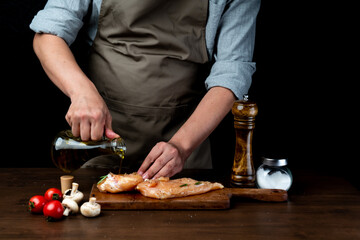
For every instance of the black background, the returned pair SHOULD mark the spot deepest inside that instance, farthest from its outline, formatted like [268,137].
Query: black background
[304,59]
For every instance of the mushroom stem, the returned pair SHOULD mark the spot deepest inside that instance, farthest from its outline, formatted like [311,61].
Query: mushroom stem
[74,193]
[70,206]
[66,211]
[92,200]
[75,187]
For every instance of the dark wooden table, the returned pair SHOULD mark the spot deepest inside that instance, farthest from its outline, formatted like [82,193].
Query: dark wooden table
[319,207]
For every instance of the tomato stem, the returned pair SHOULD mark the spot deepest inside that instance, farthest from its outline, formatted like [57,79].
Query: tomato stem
[55,196]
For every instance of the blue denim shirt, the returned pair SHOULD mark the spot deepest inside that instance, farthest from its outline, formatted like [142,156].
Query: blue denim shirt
[230,35]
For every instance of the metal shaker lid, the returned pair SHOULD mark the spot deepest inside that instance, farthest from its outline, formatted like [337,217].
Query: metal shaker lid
[274,162]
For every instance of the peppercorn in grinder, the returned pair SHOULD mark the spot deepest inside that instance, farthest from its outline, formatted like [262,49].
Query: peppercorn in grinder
[243,171]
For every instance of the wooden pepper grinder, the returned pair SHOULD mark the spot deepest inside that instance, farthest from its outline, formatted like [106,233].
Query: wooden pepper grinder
[243,171]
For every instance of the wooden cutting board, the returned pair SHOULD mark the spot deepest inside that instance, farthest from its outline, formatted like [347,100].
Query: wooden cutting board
[218,199]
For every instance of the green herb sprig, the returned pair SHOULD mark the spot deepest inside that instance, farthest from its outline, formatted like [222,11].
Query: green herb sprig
[102,178]
[184,185]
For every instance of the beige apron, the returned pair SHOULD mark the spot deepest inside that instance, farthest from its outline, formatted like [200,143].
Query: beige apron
[145,63]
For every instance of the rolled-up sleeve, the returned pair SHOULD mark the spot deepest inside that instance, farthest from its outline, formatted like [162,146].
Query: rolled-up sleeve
[234,46]
[61,18]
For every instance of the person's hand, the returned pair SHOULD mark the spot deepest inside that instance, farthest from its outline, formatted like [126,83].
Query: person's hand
[88,114]
[88,117]
[164,160]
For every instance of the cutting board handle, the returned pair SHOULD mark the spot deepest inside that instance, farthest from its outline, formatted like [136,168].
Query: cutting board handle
[268,195]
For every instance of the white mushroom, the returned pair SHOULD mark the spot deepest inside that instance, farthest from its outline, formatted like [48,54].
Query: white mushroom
[74,193]
[91,208]
[70,206]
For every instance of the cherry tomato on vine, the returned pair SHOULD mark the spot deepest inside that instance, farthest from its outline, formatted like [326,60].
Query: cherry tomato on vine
[53,194]
[53,210]
[36,204]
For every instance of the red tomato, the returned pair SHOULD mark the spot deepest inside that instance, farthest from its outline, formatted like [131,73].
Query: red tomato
[36,204]
[53,194]
[53,210]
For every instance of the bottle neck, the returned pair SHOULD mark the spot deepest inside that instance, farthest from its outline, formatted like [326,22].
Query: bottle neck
[67,141]
[118,146]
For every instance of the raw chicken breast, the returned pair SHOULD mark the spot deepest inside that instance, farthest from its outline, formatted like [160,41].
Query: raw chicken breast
[163,188]
[114,183]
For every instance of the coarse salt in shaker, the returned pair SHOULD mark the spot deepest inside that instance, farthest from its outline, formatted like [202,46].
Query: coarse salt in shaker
[273,174]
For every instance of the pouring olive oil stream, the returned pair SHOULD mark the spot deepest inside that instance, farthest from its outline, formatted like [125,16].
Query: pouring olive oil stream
[69,153]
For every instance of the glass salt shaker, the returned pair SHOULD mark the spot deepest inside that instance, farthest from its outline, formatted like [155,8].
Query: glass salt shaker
[273,174]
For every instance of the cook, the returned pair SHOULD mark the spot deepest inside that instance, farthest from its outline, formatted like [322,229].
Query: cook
[144,75]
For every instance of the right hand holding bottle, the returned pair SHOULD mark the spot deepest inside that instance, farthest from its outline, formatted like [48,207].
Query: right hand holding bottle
[89,117]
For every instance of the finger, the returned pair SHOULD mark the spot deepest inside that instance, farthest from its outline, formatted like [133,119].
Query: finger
[109,133]
[68,119]
[73,123]
[155,167]
[155,152]
[75,129]
[85,130]
[97,130]
[168,170]
[149,160]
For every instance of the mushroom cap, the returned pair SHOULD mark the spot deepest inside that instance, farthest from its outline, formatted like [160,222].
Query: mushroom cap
[74,193]
[77,196]
[70,204]
[90,209]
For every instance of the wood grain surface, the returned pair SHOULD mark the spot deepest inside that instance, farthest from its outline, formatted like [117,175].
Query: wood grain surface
[218,199]
[320,206]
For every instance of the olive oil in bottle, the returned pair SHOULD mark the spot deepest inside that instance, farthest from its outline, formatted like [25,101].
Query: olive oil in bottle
[69,153]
